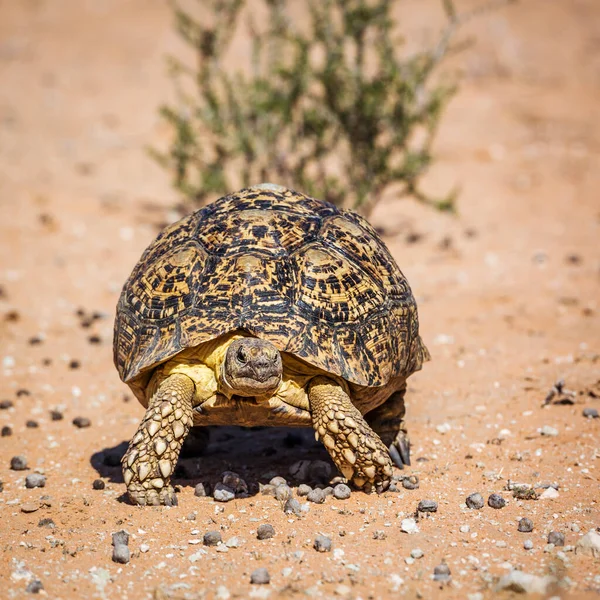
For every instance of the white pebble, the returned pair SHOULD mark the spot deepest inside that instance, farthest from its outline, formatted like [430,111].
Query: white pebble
[409,526]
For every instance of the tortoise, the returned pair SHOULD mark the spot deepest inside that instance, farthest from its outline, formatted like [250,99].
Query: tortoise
[268,307]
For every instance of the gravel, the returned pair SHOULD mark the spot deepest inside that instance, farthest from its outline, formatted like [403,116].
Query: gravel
[35,586]
[81,422]
[317,496]
[410,483]
[319,470]
[31,424]
[590,413]
[528,544]
[1,486]
[299,470]
[201,490]
[549,431]
[277,480]
[524,583]
[6,404]
[322,543]
[260,576]
[417,553]
[525,525]
[293,506]
[56,415]
[121,554]
[283,492]
[303,489]
[557,538]
[475,501]
[35,480]
[589,544]
[46,522]
[235,482]
[223,493]
[496,501]
[341,491]
[98,484]
[265,531]
[120,538]
[6,431]
[442,572]
[212,538]
[427,506]
[18,463]
[409,526]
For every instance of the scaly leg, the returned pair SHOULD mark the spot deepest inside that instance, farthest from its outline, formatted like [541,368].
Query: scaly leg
[387,420]
[355,448]
[152,454]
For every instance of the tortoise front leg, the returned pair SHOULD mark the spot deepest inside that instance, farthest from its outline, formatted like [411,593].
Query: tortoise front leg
[153,451]
[355,448]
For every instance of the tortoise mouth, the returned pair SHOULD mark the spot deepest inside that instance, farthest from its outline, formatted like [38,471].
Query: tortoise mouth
[248,386]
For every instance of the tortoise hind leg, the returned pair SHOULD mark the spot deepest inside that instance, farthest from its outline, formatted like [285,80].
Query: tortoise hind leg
[153,451]
[354,447]
[387,420]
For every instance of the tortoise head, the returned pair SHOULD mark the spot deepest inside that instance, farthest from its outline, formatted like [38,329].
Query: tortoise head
[252,367]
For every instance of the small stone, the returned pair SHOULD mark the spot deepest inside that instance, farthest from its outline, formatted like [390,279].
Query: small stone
[49,523]
[589,544]
[496,501]
[278,481]
[265,531]
[575,528]
[549,494]
[379,535]
[35,480]
[464,529]
[557,538]
[442,573]
[317,496]
[30,507]
[1,486]
[35,586]
[590,413]
[222,593]
[328,491]
[292,506]
[475,501]
[6,404]
[303,489]
[6,431]
[200,490]
[235,482]
[549,431]
[31,424]
[409,526]
[260,576]
[223,493]
[56,415]
[322,543]
[120,538]
[121,554]
[267,489]
[417,553]
[212,538]
[299,470]
[524,583]
[341,491]
[98,484]
[410,483]
[81,422]
[144,548]
[18,463]
[233,542]
[283,492]
[427,506]
[528,544]
[319,470]
[525,525]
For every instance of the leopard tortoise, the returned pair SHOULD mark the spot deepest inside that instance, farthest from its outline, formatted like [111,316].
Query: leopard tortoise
[268,307]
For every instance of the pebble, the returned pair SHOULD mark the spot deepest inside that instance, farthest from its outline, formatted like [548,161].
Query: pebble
[223,493]
[6,431]
[427,506]
[35,586]
[341,491]
[260,576]
[589,544]
[442,573]
[319,470]
[235,482]
[322,543]
[30,507]
[525,525]
[233,542]
[496,501]
[549,494]
[299,470]
[121,554]
[31,424]
[557,538]
[56,415]
[35,480]
[283,492]
[303,489]
[98,484]
[417,553]
[265,531]
[144,548]
[590,413]
[81,422]
[379,535]
[120,538]
[317,496]
[475,501]
[212,538]
[410,483]
[49,523]
[277,480]
[292,506]
[1,486]
[409,526]
[524,583]
[549,431]
[6,404]
[18,463]
[200,490]
[528,544]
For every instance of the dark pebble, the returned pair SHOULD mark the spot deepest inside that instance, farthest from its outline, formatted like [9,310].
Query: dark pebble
[81,422]
[35,340]
[6,431]
[212,538]
[94,339]
[31,424]
[74,364]
[322,544]
[120,538]
[557,538]
[35,480]
[260,576]
[6,404]
[293,506]
[201,490]
[475,501]
[49,523]
[317,496]
[1,486]
[441,572]
[427,506]
[590,413]
[410,483]
[341,491]
[23,392]
[18,463]
[303,489]
[496,501]
[121,554]
[525,525]
[319,470]
[35,586]
[265,532]
[56,415]
[98,484]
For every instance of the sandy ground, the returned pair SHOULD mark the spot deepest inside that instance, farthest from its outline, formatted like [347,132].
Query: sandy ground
[508,293]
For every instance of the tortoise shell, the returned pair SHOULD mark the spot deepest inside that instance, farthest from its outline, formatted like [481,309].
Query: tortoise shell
[314,280]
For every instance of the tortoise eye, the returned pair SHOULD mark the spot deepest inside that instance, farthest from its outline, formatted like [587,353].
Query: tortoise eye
[242,356]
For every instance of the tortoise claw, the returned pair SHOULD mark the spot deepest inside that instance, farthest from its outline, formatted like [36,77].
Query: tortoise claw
[399,451]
